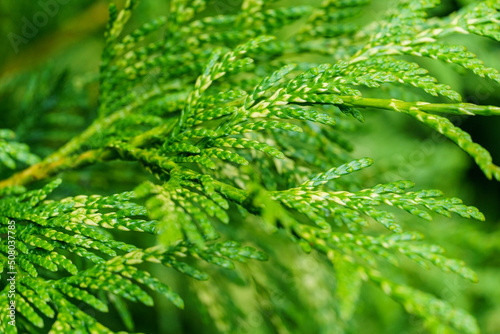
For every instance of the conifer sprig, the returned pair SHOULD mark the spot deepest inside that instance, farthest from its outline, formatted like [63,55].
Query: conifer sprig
[225,123]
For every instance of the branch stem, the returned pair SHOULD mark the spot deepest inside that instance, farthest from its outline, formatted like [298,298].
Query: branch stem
[46,169]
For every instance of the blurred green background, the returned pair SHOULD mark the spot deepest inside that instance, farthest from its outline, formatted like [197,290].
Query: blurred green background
[48,94]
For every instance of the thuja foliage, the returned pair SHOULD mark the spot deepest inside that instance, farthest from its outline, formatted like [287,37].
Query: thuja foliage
[234,133]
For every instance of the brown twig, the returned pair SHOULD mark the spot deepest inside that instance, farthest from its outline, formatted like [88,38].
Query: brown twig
[47,169]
